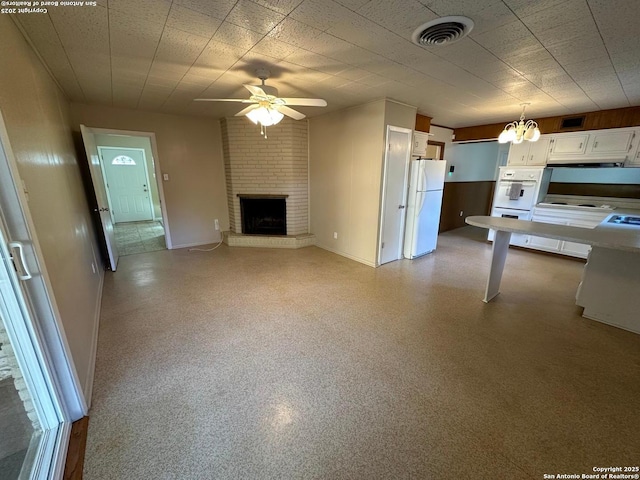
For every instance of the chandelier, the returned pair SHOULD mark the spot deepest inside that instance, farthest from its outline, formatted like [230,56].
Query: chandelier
[264,116]
[516,132]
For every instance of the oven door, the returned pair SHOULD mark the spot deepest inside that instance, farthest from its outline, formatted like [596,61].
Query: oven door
[524,197]
[516,238]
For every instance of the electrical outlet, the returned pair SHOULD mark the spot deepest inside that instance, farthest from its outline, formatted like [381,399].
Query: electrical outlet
[217,225]
[335,235]
[461,212]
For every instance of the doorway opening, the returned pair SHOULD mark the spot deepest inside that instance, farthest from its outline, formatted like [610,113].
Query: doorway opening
[435,149]
[132,193]
[128,171]
[135,237]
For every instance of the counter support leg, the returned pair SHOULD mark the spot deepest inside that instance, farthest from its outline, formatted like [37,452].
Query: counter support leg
[498,258]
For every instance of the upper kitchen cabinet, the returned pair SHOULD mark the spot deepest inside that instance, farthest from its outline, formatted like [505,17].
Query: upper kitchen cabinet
[615,145]
[611,142]
[539,151]
[518,154]
[420,140]
[529,153]
[634,153]
[569,144]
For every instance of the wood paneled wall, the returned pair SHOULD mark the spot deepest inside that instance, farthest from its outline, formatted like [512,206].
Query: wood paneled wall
[615,118]
[423,123]
[470,198]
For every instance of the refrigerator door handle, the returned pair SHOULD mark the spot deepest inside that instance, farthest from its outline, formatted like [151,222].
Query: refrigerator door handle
[422,178]
[420,203]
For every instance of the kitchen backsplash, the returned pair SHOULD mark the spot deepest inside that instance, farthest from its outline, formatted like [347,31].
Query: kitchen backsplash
[595,189]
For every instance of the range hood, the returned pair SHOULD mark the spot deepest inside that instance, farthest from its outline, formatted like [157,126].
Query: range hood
[585,164]
[586,161]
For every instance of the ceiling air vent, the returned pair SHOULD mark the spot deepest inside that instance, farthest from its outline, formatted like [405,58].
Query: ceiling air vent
[442,31]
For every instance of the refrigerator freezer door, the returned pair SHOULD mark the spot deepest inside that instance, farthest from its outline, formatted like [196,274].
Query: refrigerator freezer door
[433,174]
[423,223]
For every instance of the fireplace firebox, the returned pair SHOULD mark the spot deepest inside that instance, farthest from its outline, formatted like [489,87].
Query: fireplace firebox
[263,214]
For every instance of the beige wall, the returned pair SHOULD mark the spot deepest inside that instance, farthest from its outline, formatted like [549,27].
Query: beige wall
[441,134]
[346,158]
[400,114]
[36,115]
[136,142]
[346,153]
[189,150]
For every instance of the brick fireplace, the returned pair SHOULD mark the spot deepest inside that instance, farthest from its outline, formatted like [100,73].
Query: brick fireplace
[273,167]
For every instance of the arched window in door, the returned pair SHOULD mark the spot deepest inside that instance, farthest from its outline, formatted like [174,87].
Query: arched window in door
[123,160]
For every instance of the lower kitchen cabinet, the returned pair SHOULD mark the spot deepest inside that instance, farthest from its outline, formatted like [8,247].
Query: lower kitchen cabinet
[541,243]
[577,249]
[563,216]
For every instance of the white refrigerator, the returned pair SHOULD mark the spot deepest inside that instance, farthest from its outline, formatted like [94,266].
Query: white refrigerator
[426,182]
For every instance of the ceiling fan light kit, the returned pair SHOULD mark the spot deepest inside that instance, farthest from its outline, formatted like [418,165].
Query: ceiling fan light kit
[266,107]
[265,116]
[518,131]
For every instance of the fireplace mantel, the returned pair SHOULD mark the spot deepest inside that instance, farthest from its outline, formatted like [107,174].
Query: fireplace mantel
[257,195]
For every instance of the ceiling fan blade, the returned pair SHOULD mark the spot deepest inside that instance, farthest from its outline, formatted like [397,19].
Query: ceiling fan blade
[307,102]
[246,110]
[241,100]
[290,112]
[255,90]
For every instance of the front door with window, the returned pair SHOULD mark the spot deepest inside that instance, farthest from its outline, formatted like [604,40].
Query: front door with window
[127,183]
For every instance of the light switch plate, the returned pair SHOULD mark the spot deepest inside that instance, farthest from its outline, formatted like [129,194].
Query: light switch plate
[165,177]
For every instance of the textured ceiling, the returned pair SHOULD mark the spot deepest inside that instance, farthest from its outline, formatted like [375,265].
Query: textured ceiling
[563,56]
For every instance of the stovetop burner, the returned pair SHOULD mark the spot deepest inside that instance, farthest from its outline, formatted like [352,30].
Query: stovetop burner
[559,203]
[586,205]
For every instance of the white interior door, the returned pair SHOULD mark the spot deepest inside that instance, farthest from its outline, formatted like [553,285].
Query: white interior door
[127,182]
[398,150]
[93,158]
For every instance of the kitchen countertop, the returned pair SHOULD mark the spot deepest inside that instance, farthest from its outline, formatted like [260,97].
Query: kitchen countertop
[605,235]
[598,209]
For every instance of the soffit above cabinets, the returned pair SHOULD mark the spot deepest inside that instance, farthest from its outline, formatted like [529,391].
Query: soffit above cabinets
[562,56]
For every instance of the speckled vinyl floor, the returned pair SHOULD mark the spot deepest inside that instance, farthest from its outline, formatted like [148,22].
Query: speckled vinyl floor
[248,363]
[139,237]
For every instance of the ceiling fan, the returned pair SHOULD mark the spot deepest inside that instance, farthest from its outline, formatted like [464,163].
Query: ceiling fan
[266,107]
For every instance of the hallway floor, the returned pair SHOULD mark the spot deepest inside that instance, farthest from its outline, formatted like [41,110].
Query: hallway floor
[139,237]
[260,363]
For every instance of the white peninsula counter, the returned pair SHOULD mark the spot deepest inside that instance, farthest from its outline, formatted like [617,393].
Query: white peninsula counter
[610,286]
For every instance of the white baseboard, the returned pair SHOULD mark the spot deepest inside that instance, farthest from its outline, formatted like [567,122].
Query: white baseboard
[350,257]
[88,386]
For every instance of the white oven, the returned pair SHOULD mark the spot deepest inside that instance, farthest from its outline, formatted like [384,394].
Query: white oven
[516,238]
[520,194]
